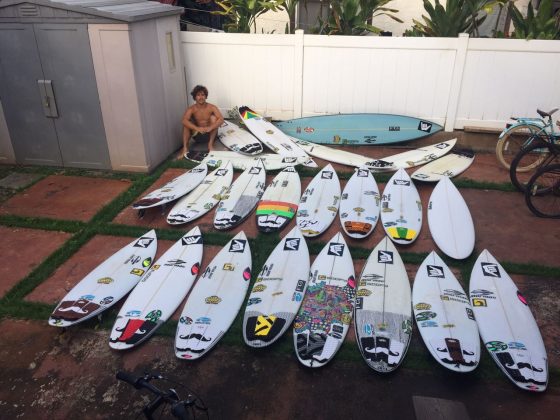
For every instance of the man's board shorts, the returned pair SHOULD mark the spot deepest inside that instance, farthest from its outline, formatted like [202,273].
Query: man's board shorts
[201,137]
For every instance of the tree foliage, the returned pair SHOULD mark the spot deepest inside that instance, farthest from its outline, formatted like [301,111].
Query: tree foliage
[542,25]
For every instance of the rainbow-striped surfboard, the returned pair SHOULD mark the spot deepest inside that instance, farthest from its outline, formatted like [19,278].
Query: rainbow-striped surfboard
[279,202]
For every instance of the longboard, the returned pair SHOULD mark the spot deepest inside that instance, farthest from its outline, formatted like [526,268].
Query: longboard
[450,165]
[238,140]
[444,316]
[160,292]
[107,283]
[419,156]
[401,209]
[319,203]
[203,198]
[241,197]
[215,300]
[359,204]
[278,291]
[271,162]
[383,315]
[174,189]
[357,129]
[279,202]
[507,327]
[450,221]
[269,134]
[342,157]
[328,305]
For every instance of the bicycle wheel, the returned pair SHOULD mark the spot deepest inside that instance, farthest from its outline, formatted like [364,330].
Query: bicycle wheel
[514,140]
[543,192]
[530,159]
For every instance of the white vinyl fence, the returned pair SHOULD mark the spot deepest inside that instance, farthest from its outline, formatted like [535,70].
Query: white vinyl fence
[456,82]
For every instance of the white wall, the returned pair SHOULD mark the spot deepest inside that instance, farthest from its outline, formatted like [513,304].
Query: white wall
[452,81]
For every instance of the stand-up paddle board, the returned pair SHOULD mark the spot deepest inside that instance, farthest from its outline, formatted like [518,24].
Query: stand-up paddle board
[507,327]
[450,221]
[174,189]
[450,165]
[159,293]
[401,209]
[359,204]
[279,202]
[271,162]
[343,157]
[203,198]
[241,198]
[358,129]
[383,316]
[278,291]
[319,203]
[417,157]
[269,134]
[215,300]
[326,311]
[107,283]
[444,316]
[238,140]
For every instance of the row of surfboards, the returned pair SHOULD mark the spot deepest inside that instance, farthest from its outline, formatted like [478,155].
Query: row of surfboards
[320,301]
[360,204]
[245,148]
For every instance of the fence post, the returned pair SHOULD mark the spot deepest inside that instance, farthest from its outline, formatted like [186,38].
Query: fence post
[298,74]
[456,81]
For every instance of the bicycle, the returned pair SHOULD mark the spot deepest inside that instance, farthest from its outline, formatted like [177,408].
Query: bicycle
[178,407]
[536,155]
[523,133]
[543,192]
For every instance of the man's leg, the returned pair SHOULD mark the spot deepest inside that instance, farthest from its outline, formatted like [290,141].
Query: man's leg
[186,138]
[212,134]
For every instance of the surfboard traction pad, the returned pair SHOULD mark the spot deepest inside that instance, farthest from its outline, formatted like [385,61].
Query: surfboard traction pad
[323,320]
[261,330]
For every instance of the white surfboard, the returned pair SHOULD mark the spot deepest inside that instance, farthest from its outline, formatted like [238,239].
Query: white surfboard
[319,203]
[401,209]
[279,202]
[419,156]
[507,327]
[450,165]
[241,197]
[328,305]
[450,220]
[238,140]
[160,292]
[444,316]
[107,283]
[215,300]
[174,189]
[383,316]
[359,204]
[278,291]
[271,136]
[203,198]
[271,161]
[332,154]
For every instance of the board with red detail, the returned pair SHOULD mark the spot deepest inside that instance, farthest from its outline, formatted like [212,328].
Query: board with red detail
[160,292]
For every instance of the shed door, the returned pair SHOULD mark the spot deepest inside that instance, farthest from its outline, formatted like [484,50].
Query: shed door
[66,129]
[33,136]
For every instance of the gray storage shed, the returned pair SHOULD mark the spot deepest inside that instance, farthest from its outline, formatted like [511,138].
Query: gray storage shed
[90,83]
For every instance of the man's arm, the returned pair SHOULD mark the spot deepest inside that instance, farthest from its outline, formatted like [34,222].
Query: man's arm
[219,118]
[187,120]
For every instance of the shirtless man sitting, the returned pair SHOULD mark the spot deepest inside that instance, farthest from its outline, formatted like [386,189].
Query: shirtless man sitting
[200,121]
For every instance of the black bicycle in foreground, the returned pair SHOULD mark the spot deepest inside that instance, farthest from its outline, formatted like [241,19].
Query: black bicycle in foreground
[168,402]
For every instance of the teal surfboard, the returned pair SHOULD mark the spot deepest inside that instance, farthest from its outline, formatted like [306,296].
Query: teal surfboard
[358,129]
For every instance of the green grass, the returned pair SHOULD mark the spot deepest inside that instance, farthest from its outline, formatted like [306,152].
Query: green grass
[14,305]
